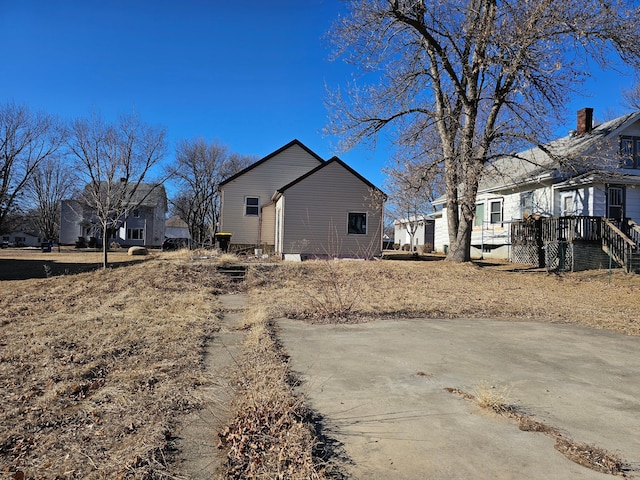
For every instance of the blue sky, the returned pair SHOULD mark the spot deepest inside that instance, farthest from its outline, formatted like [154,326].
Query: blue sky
[249,74]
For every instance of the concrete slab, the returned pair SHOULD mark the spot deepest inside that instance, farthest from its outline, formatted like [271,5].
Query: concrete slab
[380,390]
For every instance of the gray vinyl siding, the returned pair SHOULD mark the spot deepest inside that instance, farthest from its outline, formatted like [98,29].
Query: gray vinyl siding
[316,214]
[262,182]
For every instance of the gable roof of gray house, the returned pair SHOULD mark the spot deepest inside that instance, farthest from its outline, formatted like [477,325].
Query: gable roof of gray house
[145,195]
[270,156]
[320,167]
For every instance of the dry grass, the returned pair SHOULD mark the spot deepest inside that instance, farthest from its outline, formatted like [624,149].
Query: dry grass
[269,435]
[96,367]
[493,397]
[444,290]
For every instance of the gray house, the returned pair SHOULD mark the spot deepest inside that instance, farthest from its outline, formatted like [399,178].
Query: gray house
[292,202]
[143,224]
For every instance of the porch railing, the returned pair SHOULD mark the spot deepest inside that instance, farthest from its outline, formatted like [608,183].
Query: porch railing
[617,244]
[619,238]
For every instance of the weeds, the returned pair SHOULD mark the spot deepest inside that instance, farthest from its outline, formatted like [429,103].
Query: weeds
[269,435]
[492,397]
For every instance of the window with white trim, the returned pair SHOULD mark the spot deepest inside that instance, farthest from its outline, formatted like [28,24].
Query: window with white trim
[567,204]
[526,204]
[495,212]
[357,223]
[251,206]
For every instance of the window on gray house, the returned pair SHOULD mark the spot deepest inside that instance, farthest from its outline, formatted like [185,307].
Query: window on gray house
[357,224]
[251,206]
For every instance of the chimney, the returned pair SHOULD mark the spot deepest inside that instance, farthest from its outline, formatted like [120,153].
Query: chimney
[585,120]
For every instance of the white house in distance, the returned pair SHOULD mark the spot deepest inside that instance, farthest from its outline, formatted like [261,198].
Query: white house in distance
[572,187]
[423,228]
[294,203]
[143,225]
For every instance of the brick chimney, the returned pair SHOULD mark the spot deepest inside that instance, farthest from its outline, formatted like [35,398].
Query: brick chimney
[585,121]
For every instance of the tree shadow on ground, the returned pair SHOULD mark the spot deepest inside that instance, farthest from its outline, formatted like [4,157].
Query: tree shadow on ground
[19,269]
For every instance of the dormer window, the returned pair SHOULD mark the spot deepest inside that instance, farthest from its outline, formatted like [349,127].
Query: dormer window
[629,152]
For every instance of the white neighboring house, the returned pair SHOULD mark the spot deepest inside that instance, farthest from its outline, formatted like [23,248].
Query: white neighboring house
[143,225]
[21,239]
[295,204]
[424,231]
[594,173]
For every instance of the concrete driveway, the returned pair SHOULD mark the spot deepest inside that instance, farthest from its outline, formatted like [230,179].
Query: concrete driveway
[380,390]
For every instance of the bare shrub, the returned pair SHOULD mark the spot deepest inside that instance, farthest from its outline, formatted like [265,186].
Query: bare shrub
[334,296]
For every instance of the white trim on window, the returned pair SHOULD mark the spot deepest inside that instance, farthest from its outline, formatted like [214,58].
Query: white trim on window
[251,206]
[567,204]
[357,223]
[495,211]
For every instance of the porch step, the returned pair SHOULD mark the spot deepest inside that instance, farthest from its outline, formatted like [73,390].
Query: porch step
[234,272]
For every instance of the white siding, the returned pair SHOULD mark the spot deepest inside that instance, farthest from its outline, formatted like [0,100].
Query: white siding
[261,181]
[441,236]
[316,215]
[633,203]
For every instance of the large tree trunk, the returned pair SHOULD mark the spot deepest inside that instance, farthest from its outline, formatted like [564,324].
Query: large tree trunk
[460,249]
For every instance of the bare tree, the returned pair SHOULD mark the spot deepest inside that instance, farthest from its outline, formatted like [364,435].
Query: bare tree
[198,170]
[26,139]
[631,97]
[485,77]
[411,187]
[51,182]
[114,159]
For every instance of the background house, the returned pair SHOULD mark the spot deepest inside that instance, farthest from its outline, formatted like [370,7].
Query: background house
[20,239]
[143,224]
[294,203]
[592,172]
[423,228]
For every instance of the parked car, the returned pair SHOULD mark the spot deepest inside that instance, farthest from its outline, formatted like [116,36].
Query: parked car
[174,244]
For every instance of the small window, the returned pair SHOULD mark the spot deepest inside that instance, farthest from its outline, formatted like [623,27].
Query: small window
[478,219]
[135,233]
[251,206]
[357,224]
[567,205]
[526,204]
[495,212]
[136,213]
